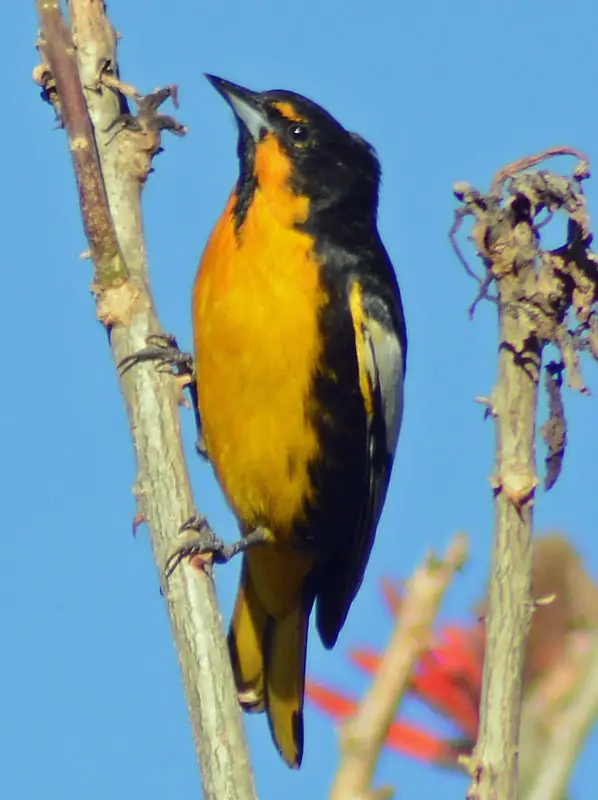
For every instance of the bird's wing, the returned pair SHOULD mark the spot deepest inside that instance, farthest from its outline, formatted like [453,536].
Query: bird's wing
[380,351]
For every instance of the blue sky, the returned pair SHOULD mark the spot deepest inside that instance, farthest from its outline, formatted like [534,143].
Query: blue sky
[90,691]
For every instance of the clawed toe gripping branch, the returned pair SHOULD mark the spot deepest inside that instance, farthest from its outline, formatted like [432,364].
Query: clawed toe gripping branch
[546,298]
[163,349]
[202,541]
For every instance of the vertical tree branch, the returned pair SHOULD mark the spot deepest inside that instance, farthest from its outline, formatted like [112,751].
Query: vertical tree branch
[509,601]
[111,163]
[536,289]
[363,736]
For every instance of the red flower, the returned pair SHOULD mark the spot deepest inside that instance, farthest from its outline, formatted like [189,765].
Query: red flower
[448,678]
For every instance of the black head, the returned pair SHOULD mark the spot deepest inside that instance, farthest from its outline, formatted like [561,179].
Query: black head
[286,140]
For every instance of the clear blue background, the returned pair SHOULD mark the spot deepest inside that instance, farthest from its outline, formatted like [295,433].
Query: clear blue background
[90,695]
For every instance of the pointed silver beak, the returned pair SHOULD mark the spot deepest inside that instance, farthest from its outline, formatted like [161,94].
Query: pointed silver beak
[246,105]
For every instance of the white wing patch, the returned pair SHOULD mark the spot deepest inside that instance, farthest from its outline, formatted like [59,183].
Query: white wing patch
[384,365]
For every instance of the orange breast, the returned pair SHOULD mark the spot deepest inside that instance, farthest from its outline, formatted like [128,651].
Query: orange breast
[255,313]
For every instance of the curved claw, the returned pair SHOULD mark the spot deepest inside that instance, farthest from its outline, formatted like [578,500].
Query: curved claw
[202,542]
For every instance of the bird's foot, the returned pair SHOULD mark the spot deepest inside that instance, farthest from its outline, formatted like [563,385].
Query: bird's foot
[202,541]
[163,348]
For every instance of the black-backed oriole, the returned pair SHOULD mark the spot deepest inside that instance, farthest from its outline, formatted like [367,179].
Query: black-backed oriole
[300,350]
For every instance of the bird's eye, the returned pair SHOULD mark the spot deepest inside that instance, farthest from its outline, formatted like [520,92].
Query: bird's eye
[298,134]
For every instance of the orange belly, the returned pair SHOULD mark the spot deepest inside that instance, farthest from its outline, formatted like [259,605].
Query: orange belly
[255,311]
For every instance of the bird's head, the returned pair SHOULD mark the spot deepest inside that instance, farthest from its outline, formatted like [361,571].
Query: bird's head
[288,143]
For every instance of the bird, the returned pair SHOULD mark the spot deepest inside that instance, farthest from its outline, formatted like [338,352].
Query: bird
[300,351]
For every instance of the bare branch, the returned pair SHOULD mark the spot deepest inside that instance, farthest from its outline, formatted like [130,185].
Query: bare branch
[110,206]
[535,289]
[60,65]
[566,734]
[363,737]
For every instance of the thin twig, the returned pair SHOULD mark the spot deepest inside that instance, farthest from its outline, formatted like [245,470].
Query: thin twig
[362,737]
[474,205]
[126,308]
[561,749]
[527,162]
